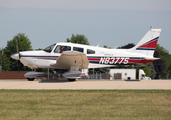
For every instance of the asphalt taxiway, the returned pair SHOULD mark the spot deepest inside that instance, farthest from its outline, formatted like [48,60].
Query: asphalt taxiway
[85,84]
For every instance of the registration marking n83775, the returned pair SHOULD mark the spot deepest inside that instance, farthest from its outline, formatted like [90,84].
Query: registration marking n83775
[114,60]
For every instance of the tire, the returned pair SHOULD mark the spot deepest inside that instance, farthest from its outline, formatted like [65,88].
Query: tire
[71,80]
[30,79]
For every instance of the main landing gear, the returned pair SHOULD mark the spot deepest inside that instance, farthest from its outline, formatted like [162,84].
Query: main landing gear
[71,80]
[30,79]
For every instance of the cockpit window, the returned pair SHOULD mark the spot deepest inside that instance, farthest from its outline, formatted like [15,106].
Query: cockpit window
[61,49]
[50,48]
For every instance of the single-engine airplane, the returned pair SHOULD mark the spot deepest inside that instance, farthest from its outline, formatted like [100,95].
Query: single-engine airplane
[77,57]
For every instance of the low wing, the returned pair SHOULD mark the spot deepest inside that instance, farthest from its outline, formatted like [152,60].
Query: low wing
[70,58]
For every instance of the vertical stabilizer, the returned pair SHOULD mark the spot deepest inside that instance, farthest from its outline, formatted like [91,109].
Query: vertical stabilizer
[148,43]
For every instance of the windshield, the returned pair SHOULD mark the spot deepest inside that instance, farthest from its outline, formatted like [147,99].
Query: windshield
[50,48]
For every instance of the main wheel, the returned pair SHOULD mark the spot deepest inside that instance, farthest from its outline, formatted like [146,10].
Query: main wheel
[71,80]
[30,79]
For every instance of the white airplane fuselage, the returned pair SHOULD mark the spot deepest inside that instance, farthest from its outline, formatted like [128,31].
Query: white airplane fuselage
[102,57]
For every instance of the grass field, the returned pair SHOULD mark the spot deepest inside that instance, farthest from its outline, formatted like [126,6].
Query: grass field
[85,104]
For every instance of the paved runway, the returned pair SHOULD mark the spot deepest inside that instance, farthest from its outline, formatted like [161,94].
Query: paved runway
[85,84]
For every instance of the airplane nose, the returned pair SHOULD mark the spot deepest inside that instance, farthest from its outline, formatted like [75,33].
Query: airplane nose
[15,56]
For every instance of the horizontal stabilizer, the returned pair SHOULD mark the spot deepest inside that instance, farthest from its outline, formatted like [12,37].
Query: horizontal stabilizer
[152,58]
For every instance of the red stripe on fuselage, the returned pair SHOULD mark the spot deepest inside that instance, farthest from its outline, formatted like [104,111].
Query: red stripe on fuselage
[94,59]
[143,61]
[48,57]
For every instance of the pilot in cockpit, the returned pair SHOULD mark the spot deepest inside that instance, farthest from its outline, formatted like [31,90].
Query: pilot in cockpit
[62,49]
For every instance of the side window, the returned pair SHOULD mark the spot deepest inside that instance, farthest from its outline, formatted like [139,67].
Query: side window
[61,49]
[90,51]
[67,48]
[78,49]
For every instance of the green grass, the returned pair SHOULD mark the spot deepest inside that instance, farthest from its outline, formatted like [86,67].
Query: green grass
[85,104]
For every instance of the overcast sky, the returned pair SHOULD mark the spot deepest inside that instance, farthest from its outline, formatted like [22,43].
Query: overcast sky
[114,22]
[90,4]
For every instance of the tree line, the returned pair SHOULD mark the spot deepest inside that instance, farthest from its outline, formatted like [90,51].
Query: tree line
[158,69]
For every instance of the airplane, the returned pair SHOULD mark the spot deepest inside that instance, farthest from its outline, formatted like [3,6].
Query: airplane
[77,57]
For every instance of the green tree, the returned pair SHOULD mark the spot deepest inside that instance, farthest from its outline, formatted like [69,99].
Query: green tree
[24,44]
[81,39]
[38,49]
[129,45]
[163,65]
[105,46]
[4,58]
[1,56]
[152,69]
[147,70]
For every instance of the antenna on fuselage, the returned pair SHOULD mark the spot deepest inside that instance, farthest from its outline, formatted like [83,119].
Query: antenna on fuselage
[116,47]
[99,44]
